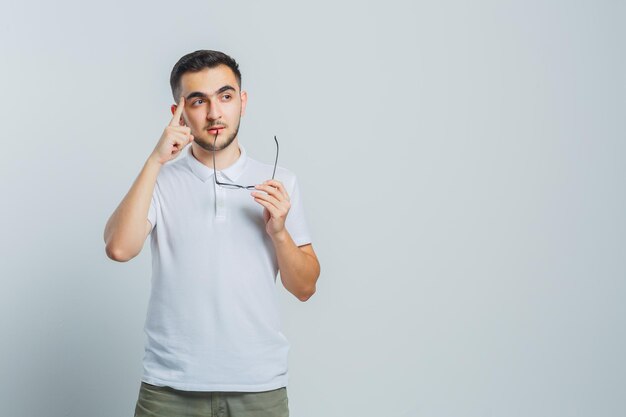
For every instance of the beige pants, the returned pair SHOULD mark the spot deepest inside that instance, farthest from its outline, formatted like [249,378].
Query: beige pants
[155,401]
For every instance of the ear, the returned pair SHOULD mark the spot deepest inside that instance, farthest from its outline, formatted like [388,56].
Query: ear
[244,101]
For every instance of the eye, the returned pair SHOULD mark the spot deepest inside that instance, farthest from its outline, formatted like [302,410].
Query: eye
[226,96]
[197,101]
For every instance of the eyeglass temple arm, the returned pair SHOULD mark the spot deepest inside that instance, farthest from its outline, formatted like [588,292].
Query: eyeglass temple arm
[276,161]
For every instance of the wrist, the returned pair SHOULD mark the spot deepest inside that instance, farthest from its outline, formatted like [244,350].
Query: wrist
[280,237]
[154,160]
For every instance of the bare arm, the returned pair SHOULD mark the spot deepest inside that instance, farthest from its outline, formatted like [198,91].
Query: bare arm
[128,227]
[298,265]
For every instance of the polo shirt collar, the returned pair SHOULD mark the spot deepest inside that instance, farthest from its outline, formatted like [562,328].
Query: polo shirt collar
[204,172]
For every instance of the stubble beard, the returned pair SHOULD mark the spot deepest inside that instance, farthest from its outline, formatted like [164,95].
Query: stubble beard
[208,146]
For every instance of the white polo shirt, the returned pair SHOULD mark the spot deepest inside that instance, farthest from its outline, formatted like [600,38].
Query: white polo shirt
[213,322]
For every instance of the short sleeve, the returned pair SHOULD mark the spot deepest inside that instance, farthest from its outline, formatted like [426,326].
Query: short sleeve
[296,223]
[152,211]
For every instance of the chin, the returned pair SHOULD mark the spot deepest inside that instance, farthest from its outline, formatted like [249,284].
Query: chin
[207,145]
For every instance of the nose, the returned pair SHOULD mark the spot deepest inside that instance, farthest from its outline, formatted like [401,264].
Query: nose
[214,112]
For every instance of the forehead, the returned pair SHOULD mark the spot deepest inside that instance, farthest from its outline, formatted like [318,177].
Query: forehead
[208,80]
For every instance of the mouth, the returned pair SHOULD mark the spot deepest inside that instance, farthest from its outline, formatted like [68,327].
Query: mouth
[215,130]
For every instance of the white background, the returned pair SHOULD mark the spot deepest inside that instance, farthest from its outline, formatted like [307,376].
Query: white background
[462,166]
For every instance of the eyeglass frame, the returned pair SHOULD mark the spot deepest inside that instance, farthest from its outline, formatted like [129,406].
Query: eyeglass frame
[246,187]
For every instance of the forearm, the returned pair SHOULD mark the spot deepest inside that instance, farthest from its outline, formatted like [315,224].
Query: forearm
[125,230]
[298,270]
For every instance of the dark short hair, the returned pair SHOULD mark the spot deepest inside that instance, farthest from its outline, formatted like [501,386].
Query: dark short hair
[197,61]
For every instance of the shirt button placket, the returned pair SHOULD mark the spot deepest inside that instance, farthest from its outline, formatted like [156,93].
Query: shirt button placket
[220,200]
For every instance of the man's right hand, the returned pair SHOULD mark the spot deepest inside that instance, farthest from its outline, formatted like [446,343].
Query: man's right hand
[175,137]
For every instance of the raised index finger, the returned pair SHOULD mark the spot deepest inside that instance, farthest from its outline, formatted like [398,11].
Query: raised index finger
[179,111]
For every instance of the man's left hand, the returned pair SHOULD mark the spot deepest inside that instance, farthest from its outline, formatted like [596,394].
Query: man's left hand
[276,203]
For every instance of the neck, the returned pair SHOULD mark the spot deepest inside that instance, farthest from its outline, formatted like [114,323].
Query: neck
[223,158]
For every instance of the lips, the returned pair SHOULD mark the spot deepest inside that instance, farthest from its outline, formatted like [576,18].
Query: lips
[215,131]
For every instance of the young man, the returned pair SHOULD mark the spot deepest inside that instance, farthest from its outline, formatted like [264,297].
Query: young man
[214,344]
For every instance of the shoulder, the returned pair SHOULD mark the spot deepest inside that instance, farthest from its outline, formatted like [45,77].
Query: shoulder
[173,172]
[283,174]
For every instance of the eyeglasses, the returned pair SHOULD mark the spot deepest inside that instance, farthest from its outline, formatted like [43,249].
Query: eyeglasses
[235,186]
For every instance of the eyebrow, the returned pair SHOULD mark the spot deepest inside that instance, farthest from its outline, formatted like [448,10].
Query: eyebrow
[203,95]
